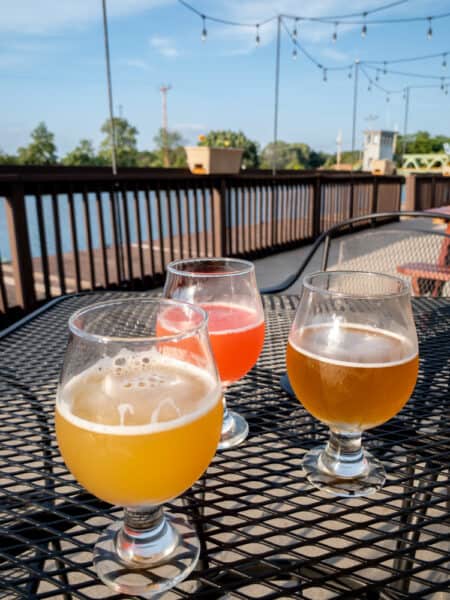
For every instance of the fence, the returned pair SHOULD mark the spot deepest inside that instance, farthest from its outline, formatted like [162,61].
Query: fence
[425,191]
[64,230]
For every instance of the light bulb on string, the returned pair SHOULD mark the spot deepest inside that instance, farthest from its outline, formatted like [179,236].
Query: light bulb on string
[369,87]
[430,29]
[385,68]
[204,31]
[324,75]
[294,31]
[446,90]
[442,84]
[444,61]
[294,53]
[350,72]
[335,35]
[388,98]
[364,27]
[377,75]
[257,39]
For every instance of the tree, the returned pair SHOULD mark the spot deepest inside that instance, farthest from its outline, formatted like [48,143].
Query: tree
[233,139]
[176,152]
[126,143]
[421,143]
[292,156]
[83,156]
[41,150]
[7,159]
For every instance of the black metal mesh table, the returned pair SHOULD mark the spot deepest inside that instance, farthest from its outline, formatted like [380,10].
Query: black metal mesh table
[265,532]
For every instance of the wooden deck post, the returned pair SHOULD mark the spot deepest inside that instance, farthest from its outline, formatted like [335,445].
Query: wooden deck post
[19,243]
[411,202]
[219,200]
[317,202]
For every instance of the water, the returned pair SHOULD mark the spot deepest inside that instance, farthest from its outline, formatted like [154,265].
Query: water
[66,241]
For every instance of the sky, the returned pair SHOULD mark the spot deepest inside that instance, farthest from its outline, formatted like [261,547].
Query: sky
[52,69]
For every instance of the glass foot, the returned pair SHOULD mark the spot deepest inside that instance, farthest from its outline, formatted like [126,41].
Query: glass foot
[370,478]
[234,430]
[156,572]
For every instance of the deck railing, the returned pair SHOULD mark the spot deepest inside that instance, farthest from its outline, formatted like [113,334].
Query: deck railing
[424,191]
[67,229]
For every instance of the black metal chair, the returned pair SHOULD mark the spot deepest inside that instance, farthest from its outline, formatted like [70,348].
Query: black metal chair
[408,249]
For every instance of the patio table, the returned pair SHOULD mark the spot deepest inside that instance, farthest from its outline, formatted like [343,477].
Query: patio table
[265,532]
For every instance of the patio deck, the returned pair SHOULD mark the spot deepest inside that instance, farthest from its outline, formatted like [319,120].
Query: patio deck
[274,269]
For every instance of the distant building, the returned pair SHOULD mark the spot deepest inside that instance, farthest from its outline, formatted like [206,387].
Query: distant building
[378,145]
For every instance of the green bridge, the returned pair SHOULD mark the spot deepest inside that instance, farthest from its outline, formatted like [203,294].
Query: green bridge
[424,162]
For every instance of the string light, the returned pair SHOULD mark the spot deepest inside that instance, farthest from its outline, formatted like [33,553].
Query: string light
[446,90]
[377,76]
[444,61]
[388,97]
[350,72]
[385,67]
[258,39]
[430,29]
[335,36]
[204,32]
[294,31]
[442,84]
[369,87]
[324,74]
[364,27]
[294,53]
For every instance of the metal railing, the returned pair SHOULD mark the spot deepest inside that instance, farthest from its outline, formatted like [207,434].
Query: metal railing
[67,229]
[425,191]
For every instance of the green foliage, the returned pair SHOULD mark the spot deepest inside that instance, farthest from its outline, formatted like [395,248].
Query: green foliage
[347,157]
[7,159]
[176,152]
[41,150]
[422,143]
[126,143]
[83,156]
[233,139]
[292,156]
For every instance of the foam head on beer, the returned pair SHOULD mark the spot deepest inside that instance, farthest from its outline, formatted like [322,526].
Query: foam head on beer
[140,427]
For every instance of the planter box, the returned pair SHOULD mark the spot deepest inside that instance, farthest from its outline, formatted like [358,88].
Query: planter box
[204,160]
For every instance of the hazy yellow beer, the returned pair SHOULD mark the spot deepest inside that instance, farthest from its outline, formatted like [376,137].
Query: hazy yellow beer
[138,429]
[351,376]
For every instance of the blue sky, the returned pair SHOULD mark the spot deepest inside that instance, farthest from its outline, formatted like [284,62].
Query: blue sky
[52,69]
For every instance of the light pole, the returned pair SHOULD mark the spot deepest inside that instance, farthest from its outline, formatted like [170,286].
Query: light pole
[405,122]
[110,95]
[355,105]
[277,94]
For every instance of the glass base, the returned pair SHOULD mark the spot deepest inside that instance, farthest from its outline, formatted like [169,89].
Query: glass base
[234,430]
[370,478]
[168,560]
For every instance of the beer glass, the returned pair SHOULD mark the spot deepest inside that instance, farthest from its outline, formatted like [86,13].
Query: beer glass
[138,419]
[226,289]
[352,361]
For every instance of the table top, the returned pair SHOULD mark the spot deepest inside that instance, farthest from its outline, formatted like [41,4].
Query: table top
[265,532]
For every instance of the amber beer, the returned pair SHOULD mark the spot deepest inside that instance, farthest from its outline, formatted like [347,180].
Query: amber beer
[350,376]
[139,429]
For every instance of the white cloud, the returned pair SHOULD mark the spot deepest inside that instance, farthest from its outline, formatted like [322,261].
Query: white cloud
[164,46]
[135,63]
[43,16]
[336,55]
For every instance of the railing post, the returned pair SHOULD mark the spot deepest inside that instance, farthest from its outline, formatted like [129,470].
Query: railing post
[19,243]
[433,192]
[317,197]
[411,199]
[219,208]
[374,207]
